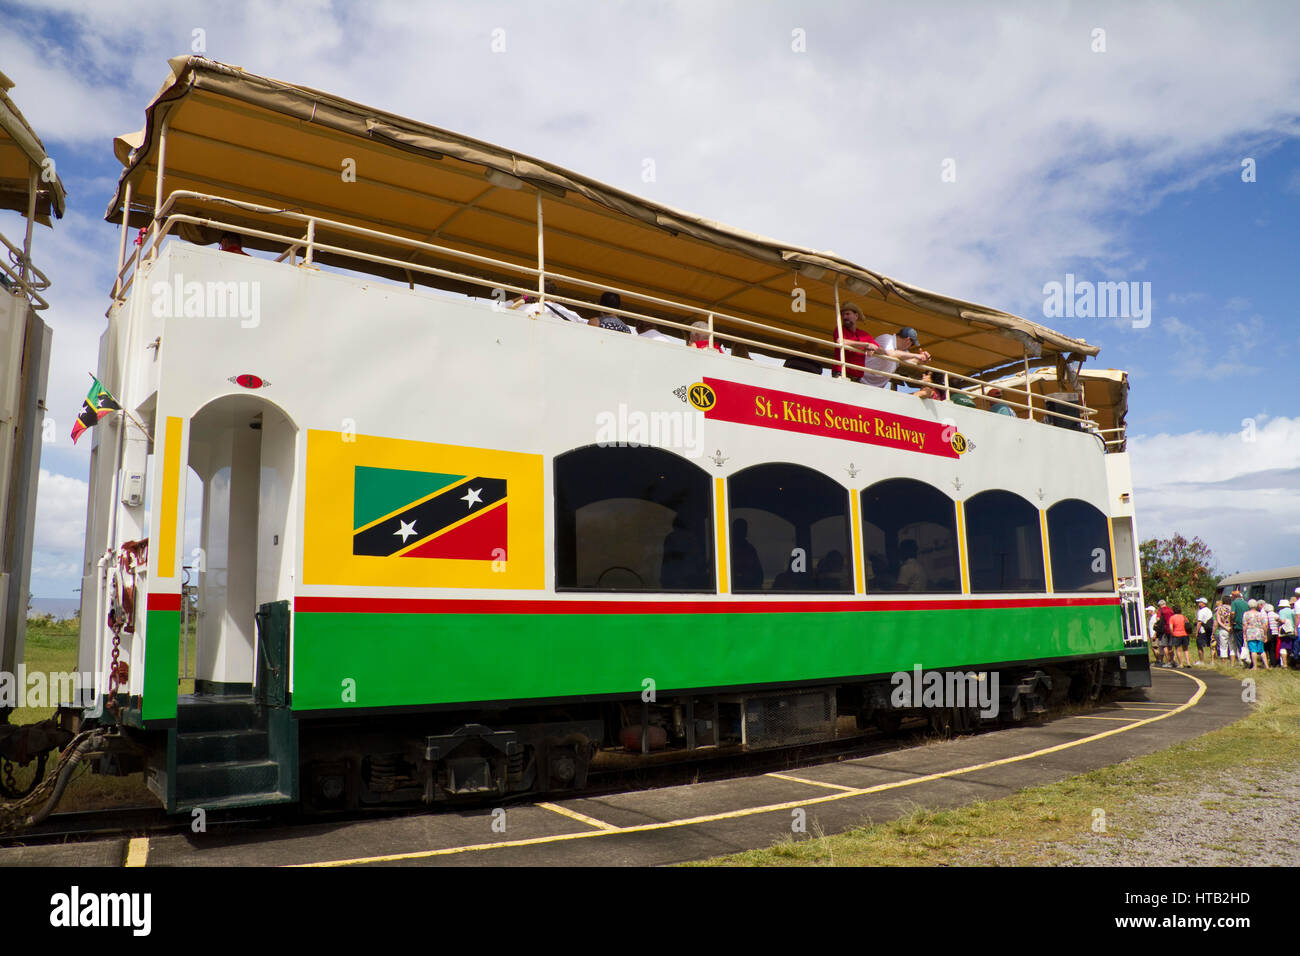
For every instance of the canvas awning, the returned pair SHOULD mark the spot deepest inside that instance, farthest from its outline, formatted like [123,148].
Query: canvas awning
[250,138]
[21,152]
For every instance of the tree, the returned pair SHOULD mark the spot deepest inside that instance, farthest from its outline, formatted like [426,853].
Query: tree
[1179,571]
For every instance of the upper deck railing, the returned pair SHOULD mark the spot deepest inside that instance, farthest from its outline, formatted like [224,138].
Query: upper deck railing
[299,235]
[18,275]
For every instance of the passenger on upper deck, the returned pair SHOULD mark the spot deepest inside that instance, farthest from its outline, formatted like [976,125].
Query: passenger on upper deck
[606,320]
[700,339]
[929,390]
[554,311]
[230,242]
[850,316]
[999,407]
[893,349]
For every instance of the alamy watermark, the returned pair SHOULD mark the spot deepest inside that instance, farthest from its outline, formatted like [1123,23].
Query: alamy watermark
[1083,299]
[177,298]
[75,909]
[943,689]
[41,689]
[681,431]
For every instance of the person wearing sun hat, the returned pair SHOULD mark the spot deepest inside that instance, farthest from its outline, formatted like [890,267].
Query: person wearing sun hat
[1204,630]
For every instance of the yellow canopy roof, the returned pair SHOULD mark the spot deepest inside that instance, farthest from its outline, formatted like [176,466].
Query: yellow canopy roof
[246,137]
[21,152]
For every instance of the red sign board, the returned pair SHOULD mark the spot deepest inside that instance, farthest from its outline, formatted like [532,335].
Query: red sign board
[768,408]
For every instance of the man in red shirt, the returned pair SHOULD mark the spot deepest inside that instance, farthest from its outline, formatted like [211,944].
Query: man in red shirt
[850,316]
[1166,612]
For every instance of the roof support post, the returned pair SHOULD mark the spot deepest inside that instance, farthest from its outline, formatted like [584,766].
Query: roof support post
[25,266]
[158,184]
[541,256]
[710,330]
[311,242]
[1029,392]
[121,242]
[839,327]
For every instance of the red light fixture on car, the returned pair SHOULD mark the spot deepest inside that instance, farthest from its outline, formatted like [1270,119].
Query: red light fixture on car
[248,380]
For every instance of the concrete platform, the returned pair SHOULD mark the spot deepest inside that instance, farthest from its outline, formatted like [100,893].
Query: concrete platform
[676,824]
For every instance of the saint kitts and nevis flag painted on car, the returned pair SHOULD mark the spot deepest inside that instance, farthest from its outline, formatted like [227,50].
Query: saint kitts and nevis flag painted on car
[389,512]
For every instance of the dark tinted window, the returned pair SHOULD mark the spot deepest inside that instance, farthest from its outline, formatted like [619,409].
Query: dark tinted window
[1004,543]
[789,531]
[632,519]
[909,538]
[1080,543]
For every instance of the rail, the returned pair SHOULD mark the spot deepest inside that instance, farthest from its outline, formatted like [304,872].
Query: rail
[19,275]
[309,244]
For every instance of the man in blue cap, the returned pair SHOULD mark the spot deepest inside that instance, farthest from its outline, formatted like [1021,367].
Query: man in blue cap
[893,349]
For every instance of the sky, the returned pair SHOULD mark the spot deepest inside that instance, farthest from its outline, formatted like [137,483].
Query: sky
[977,150]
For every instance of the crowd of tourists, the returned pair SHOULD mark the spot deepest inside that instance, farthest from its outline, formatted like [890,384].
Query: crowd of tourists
[1252,632]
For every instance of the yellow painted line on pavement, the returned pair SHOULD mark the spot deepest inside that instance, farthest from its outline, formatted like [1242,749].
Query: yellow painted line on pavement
[137,851]
[1144,710]
[1086,717]
[575,815]
[813,783]
[769,808]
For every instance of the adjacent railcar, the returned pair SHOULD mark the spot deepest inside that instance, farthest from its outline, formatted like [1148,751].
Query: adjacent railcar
[446,547]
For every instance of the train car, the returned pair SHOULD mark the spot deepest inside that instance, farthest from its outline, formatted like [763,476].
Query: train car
[457,534]
[1270,586]
[29,187]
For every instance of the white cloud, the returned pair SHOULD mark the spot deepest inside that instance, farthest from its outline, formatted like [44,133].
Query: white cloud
[60,534]
[1239,491]
[1057,148]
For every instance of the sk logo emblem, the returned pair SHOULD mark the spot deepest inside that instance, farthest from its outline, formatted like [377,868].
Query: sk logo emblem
[702,396]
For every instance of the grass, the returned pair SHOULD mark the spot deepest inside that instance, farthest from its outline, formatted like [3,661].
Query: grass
[52,647]
[1031,826]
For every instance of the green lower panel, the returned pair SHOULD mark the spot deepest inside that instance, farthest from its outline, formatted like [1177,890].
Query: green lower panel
[162,659]
[344,660]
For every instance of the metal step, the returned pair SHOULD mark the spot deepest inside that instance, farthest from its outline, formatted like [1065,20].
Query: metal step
[239,800]
[221,745]
[199,714]
[200,784]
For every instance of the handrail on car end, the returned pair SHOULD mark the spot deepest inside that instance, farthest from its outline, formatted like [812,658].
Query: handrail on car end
[162,225]
[29,284]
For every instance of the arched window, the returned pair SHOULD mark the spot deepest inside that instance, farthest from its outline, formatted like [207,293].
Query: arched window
[632,519]
[789,531]
[909,538]
[1004,543]
[1079,539]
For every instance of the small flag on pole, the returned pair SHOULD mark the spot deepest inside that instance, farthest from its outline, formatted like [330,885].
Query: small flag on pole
[98,403]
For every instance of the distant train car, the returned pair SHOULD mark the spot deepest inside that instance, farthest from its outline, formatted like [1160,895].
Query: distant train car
[587,495]
[1271,585]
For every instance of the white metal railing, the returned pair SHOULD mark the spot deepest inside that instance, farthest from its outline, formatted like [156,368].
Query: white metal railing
[21,276]
[309,244]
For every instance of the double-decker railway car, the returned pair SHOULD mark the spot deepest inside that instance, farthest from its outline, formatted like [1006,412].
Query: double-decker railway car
[492,469]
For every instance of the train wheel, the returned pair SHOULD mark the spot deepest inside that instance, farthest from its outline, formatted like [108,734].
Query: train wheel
[966,720]
[942,722]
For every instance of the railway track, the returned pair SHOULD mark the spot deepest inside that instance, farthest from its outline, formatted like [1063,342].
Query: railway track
[613,771]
